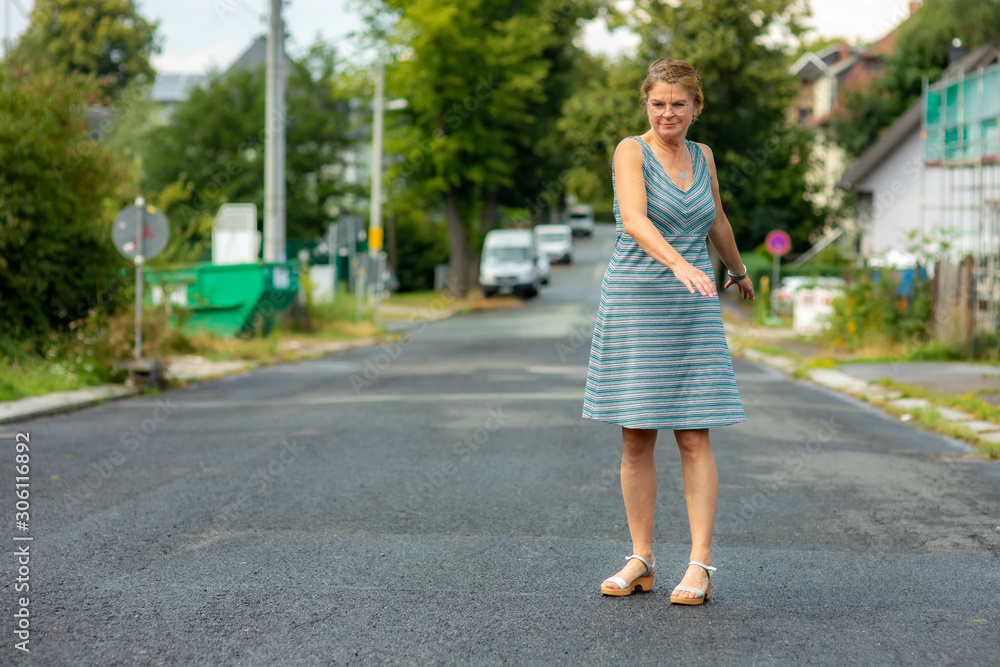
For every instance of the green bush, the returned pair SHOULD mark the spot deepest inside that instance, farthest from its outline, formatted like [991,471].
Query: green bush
[871,312]
[57,198]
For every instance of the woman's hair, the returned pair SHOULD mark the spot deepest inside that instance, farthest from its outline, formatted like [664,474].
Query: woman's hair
[668,70]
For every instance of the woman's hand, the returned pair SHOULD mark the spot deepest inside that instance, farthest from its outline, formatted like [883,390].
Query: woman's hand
[693,278]
[745,286]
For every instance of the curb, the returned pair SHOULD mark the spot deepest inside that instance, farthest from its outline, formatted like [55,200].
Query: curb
[60,402]
[847,384]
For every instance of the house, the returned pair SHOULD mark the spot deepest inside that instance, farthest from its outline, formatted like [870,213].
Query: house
[825,76]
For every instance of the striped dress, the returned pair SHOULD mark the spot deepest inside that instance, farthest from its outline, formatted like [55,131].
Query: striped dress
[659,359]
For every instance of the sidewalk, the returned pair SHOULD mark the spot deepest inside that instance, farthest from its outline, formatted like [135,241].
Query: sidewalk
[861,379]
[183,369]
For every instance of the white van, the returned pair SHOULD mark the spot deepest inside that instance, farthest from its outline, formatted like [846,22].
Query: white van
[555,241]
[509,263]
[581,219]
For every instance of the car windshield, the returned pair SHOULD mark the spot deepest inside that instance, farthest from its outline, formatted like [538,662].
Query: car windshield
[513,254]
[553,237]
[579,216]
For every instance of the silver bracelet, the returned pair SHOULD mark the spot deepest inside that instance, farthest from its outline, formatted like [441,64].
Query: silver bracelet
[736,276]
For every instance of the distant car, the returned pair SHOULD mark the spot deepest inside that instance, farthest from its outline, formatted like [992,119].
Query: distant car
[556,242]
[544,266]
[510,263]
[785,294]
[581,219]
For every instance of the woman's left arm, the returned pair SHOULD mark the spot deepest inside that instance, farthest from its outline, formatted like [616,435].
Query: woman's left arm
[721,234]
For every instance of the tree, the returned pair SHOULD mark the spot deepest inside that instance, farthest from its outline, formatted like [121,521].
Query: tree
[737,46]
[922,48]
[58,194]
[108,39]
[474,75]
[213,146]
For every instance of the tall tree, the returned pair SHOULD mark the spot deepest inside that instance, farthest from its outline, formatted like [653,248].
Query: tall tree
[57,198]
[108,39]
[922,48]
[213,146]
[738,48]
[474,74]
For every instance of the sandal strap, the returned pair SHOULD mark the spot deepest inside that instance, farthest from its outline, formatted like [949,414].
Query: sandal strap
[690,589]
[649,567]
[617,580]
[708,568]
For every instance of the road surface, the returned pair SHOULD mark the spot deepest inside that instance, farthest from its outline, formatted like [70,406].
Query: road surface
[442,502]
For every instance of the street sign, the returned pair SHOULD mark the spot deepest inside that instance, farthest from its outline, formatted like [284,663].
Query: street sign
[139,232]
[152,239]
[778,242]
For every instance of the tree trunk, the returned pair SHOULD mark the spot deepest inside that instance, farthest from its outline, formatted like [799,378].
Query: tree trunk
[458,242]
[491,212]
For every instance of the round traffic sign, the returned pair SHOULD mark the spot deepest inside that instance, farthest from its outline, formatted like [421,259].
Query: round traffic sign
[130,241]
[778,242]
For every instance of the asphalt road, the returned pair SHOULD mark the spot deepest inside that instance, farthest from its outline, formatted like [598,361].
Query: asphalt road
[442,502]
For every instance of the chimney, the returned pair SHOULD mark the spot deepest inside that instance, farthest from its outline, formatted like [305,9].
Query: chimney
[845,51]
[914,6]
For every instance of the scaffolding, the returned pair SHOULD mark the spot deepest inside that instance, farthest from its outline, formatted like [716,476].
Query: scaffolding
[961,181]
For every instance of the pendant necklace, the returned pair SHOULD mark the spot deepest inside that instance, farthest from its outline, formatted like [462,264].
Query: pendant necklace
[683,175]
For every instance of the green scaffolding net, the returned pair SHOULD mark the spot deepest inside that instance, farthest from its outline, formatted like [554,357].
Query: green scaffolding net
[961,118]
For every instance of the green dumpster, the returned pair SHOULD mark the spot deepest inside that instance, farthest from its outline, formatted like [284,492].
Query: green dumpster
[226,299]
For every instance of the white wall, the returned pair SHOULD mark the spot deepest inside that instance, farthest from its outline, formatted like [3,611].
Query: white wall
[895,186]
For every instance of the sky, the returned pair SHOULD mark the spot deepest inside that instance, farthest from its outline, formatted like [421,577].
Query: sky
[200,34]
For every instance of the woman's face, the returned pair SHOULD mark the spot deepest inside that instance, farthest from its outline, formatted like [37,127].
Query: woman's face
[670,110]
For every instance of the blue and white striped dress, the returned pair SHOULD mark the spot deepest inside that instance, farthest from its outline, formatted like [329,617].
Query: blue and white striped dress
[659,359]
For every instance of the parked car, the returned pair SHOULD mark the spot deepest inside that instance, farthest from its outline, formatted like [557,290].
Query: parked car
[581,219]
[544,266]
[510,263]
[785,294]
[556,242]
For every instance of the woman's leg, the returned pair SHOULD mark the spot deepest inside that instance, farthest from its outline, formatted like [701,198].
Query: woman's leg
[701,490]
[638,473]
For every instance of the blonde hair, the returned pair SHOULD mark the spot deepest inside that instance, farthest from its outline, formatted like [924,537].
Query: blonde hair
[668,70]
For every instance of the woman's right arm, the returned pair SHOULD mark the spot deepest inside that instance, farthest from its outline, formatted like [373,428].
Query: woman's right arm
[630,188]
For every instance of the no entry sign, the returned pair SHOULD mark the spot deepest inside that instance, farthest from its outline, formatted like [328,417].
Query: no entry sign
[778,242]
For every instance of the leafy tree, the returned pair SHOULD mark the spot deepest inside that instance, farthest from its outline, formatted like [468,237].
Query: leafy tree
[108,39]
[474,74]
[922,49]
[58,195]
[213,146]
[762,160]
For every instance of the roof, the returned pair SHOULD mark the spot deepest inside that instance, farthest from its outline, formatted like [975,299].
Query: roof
[909,122]
[254,57]
[175,87]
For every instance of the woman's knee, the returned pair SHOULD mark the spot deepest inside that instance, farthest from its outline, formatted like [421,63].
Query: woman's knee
[637,444]
[692,442]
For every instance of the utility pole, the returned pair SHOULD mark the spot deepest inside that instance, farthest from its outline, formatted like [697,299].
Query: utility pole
[375,225]
[274,151]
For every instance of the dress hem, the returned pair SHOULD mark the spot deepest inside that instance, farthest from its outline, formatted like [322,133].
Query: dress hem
[661,427]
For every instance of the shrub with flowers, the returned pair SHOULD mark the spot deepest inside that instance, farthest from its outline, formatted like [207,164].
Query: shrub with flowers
[872,311]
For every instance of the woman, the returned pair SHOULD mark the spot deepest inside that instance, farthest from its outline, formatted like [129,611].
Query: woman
[659,358]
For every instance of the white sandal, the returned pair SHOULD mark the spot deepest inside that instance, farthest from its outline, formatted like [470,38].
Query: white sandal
[702,594]
[643,582]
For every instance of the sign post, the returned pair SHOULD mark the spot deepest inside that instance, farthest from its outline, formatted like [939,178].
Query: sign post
[778,242]
[139,232]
